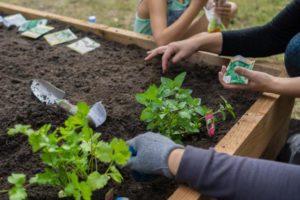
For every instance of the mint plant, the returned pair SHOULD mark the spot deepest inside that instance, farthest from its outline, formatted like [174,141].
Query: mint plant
[172,111]
[76,160]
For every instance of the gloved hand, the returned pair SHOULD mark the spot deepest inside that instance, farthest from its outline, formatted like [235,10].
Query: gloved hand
[294,145]
[153,151]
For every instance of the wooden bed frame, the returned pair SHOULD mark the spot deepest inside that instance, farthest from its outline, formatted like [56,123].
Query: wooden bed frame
[261,131]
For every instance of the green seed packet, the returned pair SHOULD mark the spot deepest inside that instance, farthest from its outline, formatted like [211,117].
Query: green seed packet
[231,77]
[60,37]
[37,31]
[31,24]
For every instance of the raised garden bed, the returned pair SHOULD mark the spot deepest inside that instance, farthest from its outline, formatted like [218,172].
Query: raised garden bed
[113,74]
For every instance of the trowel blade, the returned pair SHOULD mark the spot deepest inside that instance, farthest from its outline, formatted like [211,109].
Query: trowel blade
[46,92]
[97,114]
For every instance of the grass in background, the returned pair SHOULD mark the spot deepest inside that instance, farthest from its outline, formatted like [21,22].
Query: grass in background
[120,13]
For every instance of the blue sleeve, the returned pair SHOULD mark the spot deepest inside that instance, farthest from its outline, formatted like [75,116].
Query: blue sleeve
[238,178]
[266,40]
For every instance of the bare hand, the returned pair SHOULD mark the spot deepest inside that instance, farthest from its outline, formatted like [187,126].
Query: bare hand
[258,81]
[174,52]
[226,12]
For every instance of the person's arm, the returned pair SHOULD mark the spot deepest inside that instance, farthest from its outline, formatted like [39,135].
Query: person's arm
[255,42]
[266,40]
[161,32]
[215,174]
[238,178]
[263,82]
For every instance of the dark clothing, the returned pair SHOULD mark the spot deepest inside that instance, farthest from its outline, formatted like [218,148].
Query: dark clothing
[266,40]
[238,178]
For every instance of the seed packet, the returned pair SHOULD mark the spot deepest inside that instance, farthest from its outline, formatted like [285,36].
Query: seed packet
[238,61]
[1,19]
[215,23]
[60,37]
[14,20]
[84,45]
[31,24]
[37,31]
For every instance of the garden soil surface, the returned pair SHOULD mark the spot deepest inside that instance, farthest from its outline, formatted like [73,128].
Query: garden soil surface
[113,74]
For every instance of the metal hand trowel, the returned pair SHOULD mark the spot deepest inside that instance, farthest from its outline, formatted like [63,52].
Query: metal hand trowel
[49,94]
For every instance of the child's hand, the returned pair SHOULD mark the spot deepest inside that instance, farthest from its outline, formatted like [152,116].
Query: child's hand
[226,11]
[174,52]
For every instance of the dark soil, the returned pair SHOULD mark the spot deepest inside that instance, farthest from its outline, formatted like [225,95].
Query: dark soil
[114,73]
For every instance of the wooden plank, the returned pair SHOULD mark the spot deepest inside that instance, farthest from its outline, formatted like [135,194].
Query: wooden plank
[263,117]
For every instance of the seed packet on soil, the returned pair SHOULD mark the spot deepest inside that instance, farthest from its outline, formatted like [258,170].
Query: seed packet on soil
[37,31]
[84,45]
[238,61]
[31,24]
[60,37]
[14,20]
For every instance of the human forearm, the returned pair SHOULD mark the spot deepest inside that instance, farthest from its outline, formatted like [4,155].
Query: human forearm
[238,178]
[177,30]
[286,86]
[210,42]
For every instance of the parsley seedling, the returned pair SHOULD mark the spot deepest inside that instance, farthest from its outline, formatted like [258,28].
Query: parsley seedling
[74,157]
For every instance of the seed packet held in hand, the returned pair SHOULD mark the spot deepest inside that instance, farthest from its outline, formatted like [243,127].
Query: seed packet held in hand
[31,24]
[14,20]
[231,77]
[84,45]
[37,31]
[60,37]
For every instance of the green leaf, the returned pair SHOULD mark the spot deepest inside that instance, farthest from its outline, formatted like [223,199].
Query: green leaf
[96,180]
[46,178]
[147,115]
[166,82]
[85,191]
[17,179]
[17,193]
[83,109]
[185,114]
[121,151]
[115,174]
[19,128]
[104,152]
[179,79]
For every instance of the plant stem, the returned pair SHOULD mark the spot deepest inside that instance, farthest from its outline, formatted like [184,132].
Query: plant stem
[110,165]
[212,113]
[3,191]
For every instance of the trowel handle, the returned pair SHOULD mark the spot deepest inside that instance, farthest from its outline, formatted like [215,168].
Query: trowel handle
[67,106]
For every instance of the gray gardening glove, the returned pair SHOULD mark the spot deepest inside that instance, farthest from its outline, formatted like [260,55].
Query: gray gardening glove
[294,145]
[152,154]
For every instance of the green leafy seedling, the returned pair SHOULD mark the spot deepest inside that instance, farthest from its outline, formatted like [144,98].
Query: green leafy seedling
[72,155]
[172,111]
